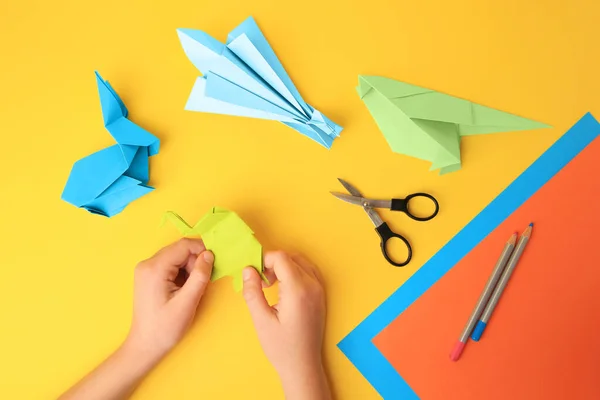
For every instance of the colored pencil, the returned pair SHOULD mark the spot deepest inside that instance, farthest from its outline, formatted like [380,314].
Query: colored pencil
[512,263]
[483,298]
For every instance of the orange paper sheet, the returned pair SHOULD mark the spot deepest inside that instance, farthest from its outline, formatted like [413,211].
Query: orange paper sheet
[543,340]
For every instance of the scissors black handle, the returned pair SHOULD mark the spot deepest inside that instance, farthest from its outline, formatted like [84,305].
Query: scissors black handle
[385,233]
[402,205]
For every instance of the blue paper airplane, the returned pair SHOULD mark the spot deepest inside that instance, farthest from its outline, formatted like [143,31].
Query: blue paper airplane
[244,77]
[106,181]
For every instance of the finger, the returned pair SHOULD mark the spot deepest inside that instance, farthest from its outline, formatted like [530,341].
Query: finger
[270,275]
[188,266]
[308,267]
[255,299]
[192,290]
[282,266]
[178,253]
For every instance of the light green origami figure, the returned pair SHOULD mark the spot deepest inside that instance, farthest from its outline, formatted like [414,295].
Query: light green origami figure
[426,124]
[229,238]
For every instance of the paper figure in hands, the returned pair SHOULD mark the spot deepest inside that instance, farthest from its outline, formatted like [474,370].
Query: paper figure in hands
[229,238]
[244,77]
[106,181]
[426,124]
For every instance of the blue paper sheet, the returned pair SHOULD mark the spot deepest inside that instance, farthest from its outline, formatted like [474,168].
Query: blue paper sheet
[245,78]
[106,181]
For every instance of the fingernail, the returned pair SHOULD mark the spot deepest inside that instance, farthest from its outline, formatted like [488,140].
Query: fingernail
[247,273]
[208,256]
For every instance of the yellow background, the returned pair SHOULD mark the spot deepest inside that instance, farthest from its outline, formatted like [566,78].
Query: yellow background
[66,275]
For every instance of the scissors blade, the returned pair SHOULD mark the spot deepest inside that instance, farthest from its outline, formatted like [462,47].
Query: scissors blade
[363,201]
[351,189]
[349,198]
[357,199]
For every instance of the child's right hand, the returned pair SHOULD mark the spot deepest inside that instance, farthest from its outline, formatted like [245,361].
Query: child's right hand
[291,332]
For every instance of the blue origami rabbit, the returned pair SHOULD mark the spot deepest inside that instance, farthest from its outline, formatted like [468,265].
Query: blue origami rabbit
[108,180]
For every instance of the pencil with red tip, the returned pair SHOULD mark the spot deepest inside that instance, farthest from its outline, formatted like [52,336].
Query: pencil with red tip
[483,298]
[512,263]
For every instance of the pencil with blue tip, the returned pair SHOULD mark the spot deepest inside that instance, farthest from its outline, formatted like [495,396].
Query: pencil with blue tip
[512,263]
[483,298]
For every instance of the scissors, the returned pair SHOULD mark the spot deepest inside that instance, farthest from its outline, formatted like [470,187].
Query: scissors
[383,230]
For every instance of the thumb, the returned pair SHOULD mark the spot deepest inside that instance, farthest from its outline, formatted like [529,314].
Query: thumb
[192,290]
[259,308]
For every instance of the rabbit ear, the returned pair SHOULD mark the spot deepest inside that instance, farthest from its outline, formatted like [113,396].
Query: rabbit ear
[113,107]
[179,223]
[115,114]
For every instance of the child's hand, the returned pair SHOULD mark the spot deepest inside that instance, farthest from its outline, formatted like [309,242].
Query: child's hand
[291,332]
[167,290]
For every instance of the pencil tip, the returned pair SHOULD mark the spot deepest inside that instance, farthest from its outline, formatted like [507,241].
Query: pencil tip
[516,233]
[531,224]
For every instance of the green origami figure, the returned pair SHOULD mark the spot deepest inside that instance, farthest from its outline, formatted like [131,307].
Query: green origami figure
[229,238]
[426,124]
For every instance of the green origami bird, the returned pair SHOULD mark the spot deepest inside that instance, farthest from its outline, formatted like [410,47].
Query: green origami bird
[229,238]
[426,124]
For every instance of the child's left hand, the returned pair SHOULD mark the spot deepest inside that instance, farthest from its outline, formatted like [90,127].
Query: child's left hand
[167,290]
